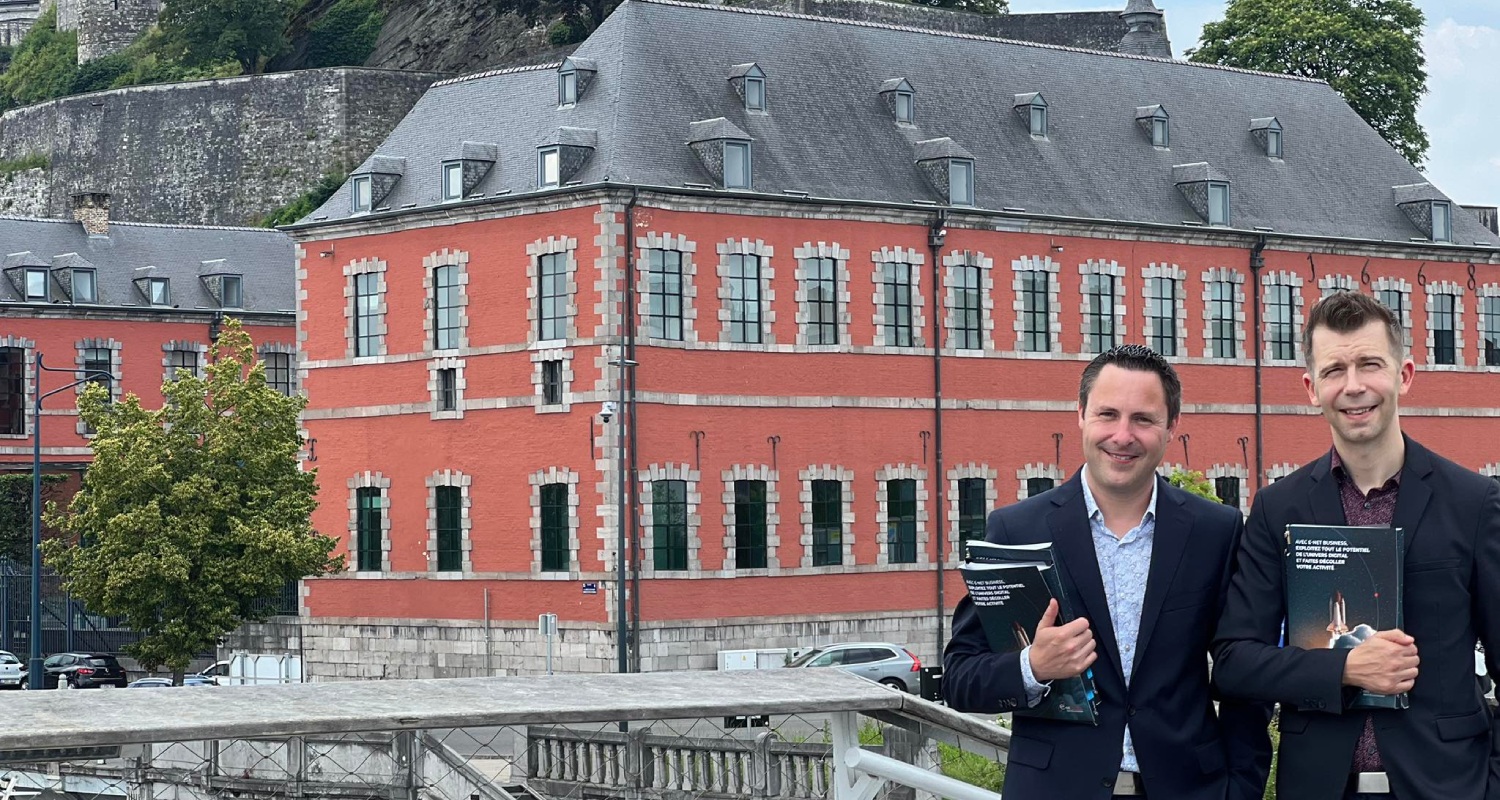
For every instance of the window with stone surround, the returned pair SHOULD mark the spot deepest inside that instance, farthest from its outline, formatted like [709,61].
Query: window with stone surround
[281,367]
[1100,293]
[448,522]
[445,308]
[969,316]
[13,363]
[746,299]
[1276,472]
[1331,284]
[1223,315]
[1489,325]
[669,546]
[1282,293]
[552,298]
[188,356]
[822,294]
[750,509]
[664,300]
[1443,309]
[552,380]
[552,370]
[1166,313]
[896,281]
[1231,485]
[99,357]
[555,506]
[447,389]
[1035,486]
[1395,294]
[973,508]
[827,523]
[1037,478]
[973,491]
[445,283]
[445,384]
[370,522]
[901,514]
[1038,326]
[366,309]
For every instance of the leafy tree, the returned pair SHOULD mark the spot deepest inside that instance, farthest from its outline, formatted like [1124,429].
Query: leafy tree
[345,35]
[43,65]
[308,202]
[190,514]
[1370,51]
[202,32]
[1194,482]
[976,6]
[15,513]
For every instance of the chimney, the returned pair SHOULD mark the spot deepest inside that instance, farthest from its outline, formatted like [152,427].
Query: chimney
[1489,217]
[92,209]
[1146,34]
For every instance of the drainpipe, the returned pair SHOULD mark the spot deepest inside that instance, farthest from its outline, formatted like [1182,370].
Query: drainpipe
[936,235]
[1257,263]
[634,489]
[625,510]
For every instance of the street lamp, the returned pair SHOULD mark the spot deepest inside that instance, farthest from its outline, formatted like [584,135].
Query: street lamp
[623,662]
[34,677]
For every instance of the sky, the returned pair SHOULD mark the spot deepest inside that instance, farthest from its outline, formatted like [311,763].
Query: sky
[1460,112]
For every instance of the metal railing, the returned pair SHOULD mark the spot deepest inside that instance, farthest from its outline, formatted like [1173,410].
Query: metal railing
[655,736]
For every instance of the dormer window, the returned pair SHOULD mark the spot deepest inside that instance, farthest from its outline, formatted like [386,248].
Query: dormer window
[573,78]
[549,168]
[159,290]
[1428,209]
[85,287]
[233,290]
[1267,133]
[1155,121]
[749,81]
[1442,221]
[1218,203]
[360,192]
[1032,109]
[900,98]
[948,168]
[36,284]
[723,150]
[453,180]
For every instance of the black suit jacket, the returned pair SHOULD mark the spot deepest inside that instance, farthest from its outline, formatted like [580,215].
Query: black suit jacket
[1443,745]
[1185,750]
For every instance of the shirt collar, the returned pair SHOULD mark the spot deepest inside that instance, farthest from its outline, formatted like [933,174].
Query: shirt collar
[1342,474]
[1092,506]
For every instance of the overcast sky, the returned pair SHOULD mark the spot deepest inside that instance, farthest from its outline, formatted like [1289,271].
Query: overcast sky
[1461,111]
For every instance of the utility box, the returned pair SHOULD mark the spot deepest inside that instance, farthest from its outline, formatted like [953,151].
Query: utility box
[767,658]
[930,684]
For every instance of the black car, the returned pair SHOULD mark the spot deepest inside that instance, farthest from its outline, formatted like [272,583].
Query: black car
[82,671]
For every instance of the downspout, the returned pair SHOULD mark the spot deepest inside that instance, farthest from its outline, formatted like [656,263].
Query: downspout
[634,487]
[1257,263]
[936,235]
[626,509]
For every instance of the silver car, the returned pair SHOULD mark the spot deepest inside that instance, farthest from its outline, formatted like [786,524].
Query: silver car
[12,672]
[883,662]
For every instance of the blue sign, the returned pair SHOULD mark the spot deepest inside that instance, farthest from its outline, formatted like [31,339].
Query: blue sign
[591,588]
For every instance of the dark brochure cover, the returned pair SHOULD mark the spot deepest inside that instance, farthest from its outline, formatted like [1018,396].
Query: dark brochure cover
[1343,583]
[1010,597]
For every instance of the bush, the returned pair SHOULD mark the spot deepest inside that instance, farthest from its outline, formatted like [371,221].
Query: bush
[971,768]
[1194,482]
[44,64]
[307,203]
[568,30]
[346,34]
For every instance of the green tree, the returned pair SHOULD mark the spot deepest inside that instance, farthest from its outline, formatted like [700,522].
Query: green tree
[203,32]
[1369,51]
[191,513]
[43,65]
[15,513]
[345,35]
[1194,482]
[975,6]
[306,203]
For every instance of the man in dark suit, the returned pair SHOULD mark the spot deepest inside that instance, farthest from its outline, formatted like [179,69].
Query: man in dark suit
[1146,565]
[1443,745]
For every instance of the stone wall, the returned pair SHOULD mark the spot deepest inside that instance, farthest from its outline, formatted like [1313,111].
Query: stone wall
[16,17]
[380,649]
[219,152]
[109,26]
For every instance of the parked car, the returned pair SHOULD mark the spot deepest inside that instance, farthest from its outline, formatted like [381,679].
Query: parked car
[216,674]
[889,664]
[166,683]
[82,671]
[12,671]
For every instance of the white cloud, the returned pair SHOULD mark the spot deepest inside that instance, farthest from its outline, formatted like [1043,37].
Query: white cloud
[1459,111]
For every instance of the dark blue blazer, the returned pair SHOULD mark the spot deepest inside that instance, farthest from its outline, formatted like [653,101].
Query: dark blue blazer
[1446,744]
[1185,749]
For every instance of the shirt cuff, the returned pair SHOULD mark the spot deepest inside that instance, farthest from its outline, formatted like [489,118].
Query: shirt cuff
[1035,690]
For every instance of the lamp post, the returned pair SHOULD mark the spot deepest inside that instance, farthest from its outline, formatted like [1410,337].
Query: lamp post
[623,661]
[34,673]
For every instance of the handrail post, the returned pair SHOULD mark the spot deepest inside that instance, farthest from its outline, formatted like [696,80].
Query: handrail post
[765,774]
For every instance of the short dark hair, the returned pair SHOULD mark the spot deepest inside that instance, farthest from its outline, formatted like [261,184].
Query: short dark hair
[1347,312]
[1140,358]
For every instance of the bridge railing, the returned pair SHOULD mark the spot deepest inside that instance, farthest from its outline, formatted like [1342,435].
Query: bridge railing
[794,734]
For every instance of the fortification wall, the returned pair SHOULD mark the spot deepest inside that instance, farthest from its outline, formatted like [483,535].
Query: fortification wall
[220,152]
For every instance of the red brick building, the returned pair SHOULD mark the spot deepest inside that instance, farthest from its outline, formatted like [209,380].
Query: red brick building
[774,232]
[135,300]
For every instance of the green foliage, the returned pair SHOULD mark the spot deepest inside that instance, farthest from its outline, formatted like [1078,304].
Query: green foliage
[345,35]
[201,33]
[43,66]
[194,511]
[26,162]
[15,512]
[1194,482]
[568,30]
[307,203]
[1370,51]
[973,768]
[99,74]
[975,6]
[6,53]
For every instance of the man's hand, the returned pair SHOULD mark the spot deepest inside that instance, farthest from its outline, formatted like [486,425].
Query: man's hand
[1061,651]
[1385,663]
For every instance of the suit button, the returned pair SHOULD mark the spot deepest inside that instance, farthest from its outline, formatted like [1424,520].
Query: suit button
[1107,783]
[1130,712]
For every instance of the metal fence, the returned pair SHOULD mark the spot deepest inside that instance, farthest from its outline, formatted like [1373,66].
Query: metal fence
[794,734]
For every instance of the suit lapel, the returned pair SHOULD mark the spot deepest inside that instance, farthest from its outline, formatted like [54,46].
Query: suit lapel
[1074,544]
[1327,506]
[1173,525]
[1412,497]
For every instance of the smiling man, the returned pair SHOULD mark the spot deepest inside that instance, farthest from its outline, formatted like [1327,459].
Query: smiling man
[1444,745]
[1147,565]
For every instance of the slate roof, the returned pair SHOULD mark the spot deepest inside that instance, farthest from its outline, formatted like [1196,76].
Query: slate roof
[827,132]
[263,257]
